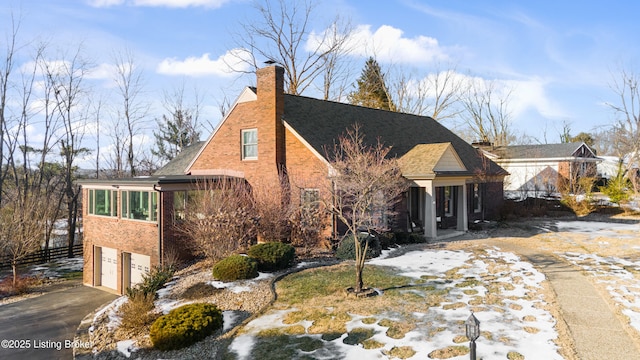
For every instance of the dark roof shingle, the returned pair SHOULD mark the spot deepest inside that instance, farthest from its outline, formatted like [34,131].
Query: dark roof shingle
[541,151]
[321,122]
[178,165]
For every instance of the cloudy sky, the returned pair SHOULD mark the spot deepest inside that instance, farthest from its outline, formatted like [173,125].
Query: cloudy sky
[558,56]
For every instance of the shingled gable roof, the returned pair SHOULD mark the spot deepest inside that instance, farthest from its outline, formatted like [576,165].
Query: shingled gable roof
[541,151]
[321,122]
[428,160]
[179,164]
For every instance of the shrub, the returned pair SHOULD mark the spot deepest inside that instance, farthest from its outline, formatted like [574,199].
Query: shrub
[152,282]
[346,249]
[272,256]
[235,267]
[387,240]
[138,311]
[184,326]
[409,238]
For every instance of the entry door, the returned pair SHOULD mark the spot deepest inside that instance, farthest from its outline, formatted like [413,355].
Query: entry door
[140,265]
[109,275]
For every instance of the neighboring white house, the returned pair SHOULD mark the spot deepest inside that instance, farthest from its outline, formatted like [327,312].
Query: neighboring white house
[537,170]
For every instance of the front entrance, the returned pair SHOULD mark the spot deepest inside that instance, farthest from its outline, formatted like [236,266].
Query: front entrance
[446,206]
[437,207]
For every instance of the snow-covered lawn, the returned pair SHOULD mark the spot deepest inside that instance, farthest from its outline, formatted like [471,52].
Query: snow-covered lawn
[505,294]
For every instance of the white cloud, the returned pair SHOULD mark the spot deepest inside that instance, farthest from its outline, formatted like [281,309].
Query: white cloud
[532,93]
[213,4]
[105,3]
[388,44]
[103,71]
[526,94]
[225,65]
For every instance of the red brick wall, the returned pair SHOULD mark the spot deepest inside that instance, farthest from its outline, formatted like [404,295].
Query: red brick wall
[224,149]
[130,236]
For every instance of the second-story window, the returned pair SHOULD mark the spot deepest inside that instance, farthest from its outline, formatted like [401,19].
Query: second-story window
[250,144]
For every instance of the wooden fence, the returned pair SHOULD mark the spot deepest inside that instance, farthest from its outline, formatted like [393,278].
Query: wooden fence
[40,257]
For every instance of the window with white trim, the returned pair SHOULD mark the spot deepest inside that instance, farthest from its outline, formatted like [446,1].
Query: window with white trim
[249,144]
[103,202]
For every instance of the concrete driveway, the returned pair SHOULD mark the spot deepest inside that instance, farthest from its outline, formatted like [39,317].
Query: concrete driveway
[44,327]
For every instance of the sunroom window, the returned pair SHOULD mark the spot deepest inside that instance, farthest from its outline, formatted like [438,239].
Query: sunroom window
[140,205]
[103,202]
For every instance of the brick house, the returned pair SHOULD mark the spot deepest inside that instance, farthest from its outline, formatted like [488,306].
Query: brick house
[540,170]
[267,132]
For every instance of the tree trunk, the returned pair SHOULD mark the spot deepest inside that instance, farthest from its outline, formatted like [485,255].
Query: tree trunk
[72,215]
[14,268]
[359,283]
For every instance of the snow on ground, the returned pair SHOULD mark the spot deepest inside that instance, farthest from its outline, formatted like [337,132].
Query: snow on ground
[126,347]
[56,268]
[240,286]
[601,229]
[621,277]
[518,323]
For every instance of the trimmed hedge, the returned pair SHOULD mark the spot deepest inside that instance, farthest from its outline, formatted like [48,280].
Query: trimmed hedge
[235,267]
[409,238]
[272,256]
[185,326]
[347,248]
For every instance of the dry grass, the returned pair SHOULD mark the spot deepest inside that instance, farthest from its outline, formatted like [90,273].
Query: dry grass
[449,352]
[138,312]
[400,352]
[396,329]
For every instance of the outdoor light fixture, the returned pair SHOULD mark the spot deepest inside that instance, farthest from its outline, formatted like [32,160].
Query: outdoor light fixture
[472,326]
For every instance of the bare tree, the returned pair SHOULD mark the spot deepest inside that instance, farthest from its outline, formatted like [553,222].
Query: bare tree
[273,208]
[437,94]
[219,218]
[308,216]
[487,112]
[627,126]
[336,74]
[179,129]
[6,70]
[68,76]
[365,187]
[282,32]
[133,109]
[21,230]
[115,158]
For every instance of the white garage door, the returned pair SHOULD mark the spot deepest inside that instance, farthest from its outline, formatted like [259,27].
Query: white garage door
[109,276]
[140,265]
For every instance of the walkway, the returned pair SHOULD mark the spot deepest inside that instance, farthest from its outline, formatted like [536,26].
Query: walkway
[596,330]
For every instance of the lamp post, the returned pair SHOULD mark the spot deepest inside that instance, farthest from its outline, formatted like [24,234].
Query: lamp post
[472,326]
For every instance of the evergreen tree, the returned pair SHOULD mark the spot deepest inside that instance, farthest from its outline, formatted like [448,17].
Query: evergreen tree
[174,134]
[371,88]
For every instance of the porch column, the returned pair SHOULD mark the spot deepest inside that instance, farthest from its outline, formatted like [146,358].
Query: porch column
[463,224]
[429,221]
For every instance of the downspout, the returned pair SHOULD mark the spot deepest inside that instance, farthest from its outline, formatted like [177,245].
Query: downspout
[160,223]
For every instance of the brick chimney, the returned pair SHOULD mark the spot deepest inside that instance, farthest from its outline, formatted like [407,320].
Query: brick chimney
[270,91]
